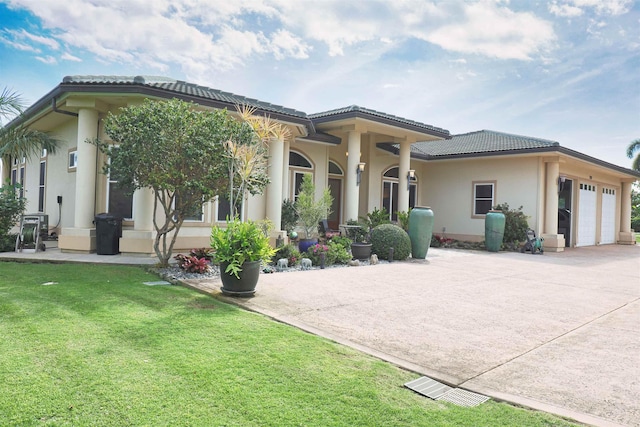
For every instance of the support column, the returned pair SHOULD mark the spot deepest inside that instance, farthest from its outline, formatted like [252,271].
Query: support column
[140,239]
[553,242]
[81,238]
[352,191]
[403,171]
[626,236]
[285,170]
[274,189]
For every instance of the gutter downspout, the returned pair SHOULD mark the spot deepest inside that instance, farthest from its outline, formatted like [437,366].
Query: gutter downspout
[54,107]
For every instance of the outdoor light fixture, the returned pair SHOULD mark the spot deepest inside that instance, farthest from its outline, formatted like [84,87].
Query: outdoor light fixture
[410,175]
[359,170]
[561,180]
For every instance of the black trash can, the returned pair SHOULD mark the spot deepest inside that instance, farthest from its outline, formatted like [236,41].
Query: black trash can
[108,233]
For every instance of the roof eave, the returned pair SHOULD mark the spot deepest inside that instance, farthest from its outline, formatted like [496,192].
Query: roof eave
[444,134]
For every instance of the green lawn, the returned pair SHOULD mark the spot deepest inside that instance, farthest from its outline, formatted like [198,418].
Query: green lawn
[99,348]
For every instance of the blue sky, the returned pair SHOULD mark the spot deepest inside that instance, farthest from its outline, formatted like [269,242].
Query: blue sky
[565,70]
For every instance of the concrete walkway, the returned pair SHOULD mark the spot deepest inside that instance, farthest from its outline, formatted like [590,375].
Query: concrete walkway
[555,332]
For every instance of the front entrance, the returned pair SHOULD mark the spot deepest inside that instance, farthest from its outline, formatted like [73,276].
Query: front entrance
[564,210]
[335,188]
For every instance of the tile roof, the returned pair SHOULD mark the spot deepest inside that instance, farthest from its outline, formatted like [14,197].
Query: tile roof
[357,111]
[183,88]
[483,141]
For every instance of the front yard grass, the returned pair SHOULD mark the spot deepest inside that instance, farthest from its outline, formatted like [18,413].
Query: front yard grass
[88,345]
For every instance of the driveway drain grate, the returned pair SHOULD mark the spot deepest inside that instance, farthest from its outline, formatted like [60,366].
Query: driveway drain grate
[428,387]
[442,392]
[462,397]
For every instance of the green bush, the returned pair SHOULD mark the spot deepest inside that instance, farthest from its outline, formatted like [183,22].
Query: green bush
[343,241]
[358,235]
[375,218]
[11,208]
[289,216]
[515,227]
[8,242]
[403,220]
[338,252]
[290,252]
[387,236]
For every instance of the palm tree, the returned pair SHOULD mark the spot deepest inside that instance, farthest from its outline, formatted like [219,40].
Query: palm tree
[632,148]
[19,140]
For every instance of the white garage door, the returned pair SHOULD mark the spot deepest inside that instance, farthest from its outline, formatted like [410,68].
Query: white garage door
[608,225]
[587,216]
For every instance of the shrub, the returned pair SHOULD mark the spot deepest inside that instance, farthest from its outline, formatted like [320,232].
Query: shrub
[315,252]
[375,218]
[515,227]
[386,236]
[338,252]
[403,220]
[202,253]
[11,208]
[358,234]
[8,242]
[343,241]
[290,252]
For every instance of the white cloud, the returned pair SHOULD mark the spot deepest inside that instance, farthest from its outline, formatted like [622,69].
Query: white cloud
[68,57]
[47,59]
[570,8]
[494,31]
[46,41]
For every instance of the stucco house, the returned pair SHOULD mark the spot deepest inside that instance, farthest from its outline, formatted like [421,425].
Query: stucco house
[367,158]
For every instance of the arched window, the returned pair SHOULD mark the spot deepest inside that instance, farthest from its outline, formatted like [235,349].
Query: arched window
[335,169]
[299,165]
[390,187]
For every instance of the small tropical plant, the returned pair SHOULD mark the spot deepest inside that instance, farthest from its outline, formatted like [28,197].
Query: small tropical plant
[376,218]
[403,220]
[312,211]
[358,231]
[192,264]
[240,242]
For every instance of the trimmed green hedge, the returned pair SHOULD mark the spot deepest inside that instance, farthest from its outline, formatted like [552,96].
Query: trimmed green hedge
[386,236]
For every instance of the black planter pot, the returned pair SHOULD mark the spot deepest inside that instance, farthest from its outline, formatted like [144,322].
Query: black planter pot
[245,286]
[361,250]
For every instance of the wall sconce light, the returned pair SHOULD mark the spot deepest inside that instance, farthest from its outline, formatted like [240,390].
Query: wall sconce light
[410,175]
[561,181]
[359,171]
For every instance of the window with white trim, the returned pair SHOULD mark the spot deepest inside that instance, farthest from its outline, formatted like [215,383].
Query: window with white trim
[483,197]
[41,184]
[390,187]
[72,163]
[299,165]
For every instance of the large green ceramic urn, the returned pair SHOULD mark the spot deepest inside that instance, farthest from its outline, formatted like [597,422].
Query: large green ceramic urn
[494,230]
[420,231]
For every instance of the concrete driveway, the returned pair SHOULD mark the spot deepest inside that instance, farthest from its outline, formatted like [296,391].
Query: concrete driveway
[556,332]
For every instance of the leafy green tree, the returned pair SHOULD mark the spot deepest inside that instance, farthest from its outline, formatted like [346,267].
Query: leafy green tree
[310,211]
[11,208]
[635,209]
[516,225]
[20,140]
[631,149]
[176,151]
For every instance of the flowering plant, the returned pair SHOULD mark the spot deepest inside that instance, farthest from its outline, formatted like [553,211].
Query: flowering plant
[192,264]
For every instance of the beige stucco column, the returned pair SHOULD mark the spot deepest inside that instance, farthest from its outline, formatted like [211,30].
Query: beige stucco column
[285,170]
[81,237]
[352,191]
[553,242]
[274,189]
[403,171]
[626,236]
[86,169]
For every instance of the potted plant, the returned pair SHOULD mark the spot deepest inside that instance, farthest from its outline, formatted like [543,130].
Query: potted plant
[311,211]
[359,235]
[240,248]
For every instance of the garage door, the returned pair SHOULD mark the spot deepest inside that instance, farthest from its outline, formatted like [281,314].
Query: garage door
[608,225]
[587,216]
